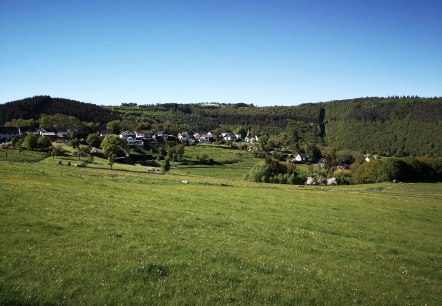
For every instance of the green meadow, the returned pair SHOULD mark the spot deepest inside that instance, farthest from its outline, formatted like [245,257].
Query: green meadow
[95,236]
[231,164]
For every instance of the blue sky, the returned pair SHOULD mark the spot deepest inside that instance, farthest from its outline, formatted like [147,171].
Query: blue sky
[266,52]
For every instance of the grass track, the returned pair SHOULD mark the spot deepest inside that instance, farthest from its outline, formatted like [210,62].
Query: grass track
[88,236]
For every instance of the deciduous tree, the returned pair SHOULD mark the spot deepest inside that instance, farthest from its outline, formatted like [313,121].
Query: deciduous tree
[112,144]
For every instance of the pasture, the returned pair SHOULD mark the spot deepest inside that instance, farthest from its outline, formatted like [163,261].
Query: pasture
[94,236]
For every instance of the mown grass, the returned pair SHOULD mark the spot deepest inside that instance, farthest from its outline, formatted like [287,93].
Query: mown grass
[91,236]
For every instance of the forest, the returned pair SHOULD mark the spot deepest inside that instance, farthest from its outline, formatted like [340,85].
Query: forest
[34,107]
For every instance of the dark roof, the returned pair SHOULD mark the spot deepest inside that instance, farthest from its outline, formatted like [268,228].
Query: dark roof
[9,130]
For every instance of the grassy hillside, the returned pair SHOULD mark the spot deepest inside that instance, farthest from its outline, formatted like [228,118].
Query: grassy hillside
[92,236]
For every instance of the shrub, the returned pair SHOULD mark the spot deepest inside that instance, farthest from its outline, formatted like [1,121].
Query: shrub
[43,143]
[272,171]
[344,177]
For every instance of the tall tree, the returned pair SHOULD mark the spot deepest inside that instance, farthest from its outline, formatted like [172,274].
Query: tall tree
[112,144]
[30,142]
[114,126]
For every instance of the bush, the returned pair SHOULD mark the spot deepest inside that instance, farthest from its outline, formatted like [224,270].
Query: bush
[403,169]
[30,142]
[344,177]
[93,140]
[272,171]
[43,143]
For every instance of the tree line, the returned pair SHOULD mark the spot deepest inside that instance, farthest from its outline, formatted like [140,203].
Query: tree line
[34,107]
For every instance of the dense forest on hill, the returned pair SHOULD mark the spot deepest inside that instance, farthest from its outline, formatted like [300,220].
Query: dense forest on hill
[390,126]
[386,126]
[32,108]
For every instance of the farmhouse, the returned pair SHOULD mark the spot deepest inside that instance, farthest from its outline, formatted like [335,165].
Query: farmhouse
[134,142]
[184,136]
[161,135]
[144,134]
[229,137]
[251,139]
[209,137]
[301,158]
[127,134]
[48,134]
[66,133]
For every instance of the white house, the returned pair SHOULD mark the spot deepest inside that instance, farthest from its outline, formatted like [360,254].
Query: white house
[251,139]
[161,135]
[144,134]
[228,137]
[212,136]
[44,133]
[184,136]
[127,134]
[41,131]
[301,158]
[134,142]
[209,137]
[204,138]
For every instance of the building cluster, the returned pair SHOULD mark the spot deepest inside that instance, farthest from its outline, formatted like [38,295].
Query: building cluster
[137,138]
[7,133]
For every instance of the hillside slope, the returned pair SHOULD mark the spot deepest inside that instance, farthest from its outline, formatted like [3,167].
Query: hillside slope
[386,126]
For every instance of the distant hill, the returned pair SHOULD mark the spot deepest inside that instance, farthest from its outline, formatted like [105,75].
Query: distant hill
[32,108]
[386,126]
[390,126]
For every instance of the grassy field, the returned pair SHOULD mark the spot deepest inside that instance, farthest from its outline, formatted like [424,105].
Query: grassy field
[24,156]
[92,236]
[231,164]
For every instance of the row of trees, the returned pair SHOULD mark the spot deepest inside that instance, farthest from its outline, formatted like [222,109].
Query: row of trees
[57,122]
[33,142]
[407,169]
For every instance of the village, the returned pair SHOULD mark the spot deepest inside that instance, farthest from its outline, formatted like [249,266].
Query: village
[142,138]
